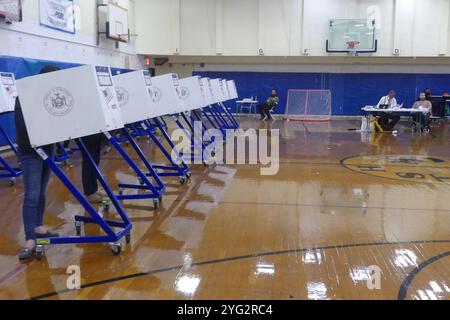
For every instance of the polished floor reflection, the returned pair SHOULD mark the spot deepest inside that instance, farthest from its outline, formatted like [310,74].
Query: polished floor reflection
[348,216]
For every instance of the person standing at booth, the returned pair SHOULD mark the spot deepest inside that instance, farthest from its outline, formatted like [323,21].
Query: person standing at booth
[36,176]
[93,144]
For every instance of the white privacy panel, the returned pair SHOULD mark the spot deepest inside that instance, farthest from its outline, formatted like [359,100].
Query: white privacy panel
[224,87]
[232,89]
[207,91]
[135,96]
[69,104]
[8,92]
[192,93]
[216,89]
[167,97]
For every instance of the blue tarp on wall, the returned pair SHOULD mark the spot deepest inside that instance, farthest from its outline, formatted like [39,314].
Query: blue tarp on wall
[350,91]
[24,67]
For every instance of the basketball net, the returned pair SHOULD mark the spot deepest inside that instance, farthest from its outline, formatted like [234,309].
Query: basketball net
[352,48]
[11,9]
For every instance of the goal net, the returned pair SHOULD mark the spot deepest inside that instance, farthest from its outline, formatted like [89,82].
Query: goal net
[308,105]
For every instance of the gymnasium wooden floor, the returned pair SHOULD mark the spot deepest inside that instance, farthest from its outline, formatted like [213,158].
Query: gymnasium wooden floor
[342,202]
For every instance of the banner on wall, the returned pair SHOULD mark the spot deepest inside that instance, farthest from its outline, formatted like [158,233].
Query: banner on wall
[57,14]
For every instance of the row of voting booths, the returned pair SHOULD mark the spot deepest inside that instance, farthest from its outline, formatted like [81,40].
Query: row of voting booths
[82,101]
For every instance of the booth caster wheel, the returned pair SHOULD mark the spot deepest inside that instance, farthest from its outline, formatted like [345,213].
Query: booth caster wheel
[128,238]
[78,226]
[156,204]
[189,175]
[121,191]
[12,182]
[141,182]
[182,180]
[116,248]
[40,252]
[106,205]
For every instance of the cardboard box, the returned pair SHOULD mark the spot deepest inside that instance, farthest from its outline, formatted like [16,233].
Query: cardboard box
[135,96]
[192,93]
[167,92]
[8,92]
[69,104]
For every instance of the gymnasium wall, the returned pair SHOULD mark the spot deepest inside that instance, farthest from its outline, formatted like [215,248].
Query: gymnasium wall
[415,28]
[27,46]
[29,39]
[350,91]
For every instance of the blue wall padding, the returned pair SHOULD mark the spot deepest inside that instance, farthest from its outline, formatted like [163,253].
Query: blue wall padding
[350,91]
[24,67]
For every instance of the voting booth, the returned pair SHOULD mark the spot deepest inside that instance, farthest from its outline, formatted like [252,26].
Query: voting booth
[8,92]
[207,91]
[192,93]
[224,87]
[232,89]
[71,104]
[135,96]
[167,95]
[68,104]
[216,90]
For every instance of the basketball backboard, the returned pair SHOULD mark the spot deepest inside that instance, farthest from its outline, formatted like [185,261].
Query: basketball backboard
[343,32]
[114,22]
[8,92]
[68,104]
[11,10]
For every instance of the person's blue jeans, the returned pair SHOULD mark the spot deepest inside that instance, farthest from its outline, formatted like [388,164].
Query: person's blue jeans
[36,175]
[422,118]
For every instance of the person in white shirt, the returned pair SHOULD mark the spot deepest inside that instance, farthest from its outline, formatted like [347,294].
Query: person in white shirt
[423,117]
[387,120]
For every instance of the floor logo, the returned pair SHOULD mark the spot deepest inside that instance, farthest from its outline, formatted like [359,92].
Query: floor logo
[425,169]
[58,102]
[122,96]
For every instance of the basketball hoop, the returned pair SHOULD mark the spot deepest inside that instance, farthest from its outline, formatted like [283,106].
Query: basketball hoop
[352,47]
[11,10]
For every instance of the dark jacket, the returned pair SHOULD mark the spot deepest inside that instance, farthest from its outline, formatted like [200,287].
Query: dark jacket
[22,139]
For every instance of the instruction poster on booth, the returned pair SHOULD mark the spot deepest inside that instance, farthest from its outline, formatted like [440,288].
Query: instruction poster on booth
[57,14]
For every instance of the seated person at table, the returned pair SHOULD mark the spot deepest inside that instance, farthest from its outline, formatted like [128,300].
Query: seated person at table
[268,106]
[386,120]
[422,117]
